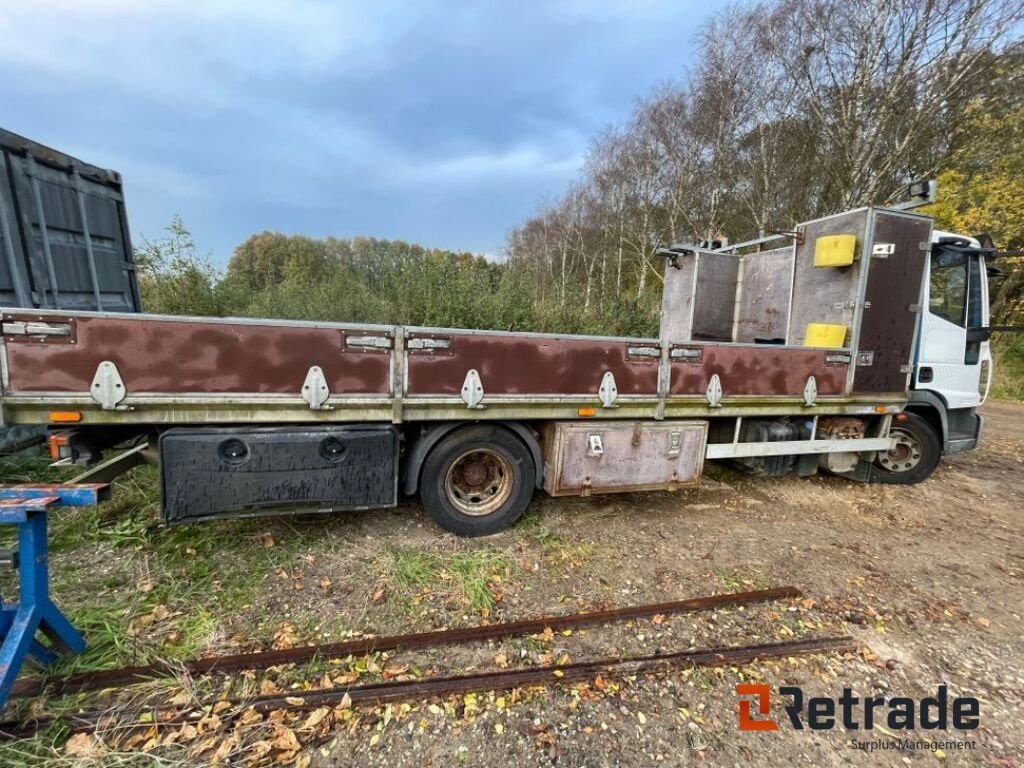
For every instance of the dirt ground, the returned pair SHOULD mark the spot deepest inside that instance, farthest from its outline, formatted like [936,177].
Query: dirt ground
[927,578]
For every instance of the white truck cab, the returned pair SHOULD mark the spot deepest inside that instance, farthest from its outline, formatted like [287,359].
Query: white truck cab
[953,361]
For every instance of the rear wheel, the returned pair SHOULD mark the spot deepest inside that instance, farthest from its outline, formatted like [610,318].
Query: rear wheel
[914,457]
[478,480]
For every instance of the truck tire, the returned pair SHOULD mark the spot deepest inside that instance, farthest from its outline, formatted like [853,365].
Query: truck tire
[478,480]
[915,457]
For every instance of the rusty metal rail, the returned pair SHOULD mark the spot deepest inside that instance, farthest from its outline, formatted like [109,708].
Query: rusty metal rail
[378,693]
[263,659]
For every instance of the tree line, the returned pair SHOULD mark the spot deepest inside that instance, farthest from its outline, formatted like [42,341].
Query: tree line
[793,109]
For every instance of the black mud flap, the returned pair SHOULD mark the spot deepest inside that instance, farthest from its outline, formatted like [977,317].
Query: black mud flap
[210,473]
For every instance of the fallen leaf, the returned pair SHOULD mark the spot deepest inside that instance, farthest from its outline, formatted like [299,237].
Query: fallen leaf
[160,613]
[325,583]
[658,618]
[316,717]
[83,745]
[226,748]
[285,636]
[501,660]
[285,740]
[984,622]
[257,750]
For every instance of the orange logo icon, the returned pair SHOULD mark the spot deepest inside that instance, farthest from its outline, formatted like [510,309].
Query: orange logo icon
[747,723]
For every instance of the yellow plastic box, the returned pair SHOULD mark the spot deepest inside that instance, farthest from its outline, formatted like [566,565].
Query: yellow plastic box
[825,335]
[835,250]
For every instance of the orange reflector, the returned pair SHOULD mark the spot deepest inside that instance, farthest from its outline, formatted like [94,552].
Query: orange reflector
[901,417]
[65,417]
[881,408]
[586,411]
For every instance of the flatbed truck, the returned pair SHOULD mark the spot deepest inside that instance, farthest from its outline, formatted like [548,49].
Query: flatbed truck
[856,344]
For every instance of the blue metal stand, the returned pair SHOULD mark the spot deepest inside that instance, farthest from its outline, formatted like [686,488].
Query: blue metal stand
[27,507]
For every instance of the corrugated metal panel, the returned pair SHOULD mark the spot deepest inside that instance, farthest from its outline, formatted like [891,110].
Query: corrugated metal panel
[64,235]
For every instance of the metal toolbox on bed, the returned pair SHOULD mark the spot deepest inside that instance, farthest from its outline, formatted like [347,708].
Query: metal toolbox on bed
[581,458]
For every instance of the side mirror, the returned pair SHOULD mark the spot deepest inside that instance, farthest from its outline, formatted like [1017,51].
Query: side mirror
[975,335]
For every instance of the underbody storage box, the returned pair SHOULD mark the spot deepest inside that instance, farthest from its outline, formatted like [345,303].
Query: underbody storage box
[581,458]
[208,473]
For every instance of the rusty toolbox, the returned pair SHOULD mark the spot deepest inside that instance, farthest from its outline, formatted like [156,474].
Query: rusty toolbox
[620,456]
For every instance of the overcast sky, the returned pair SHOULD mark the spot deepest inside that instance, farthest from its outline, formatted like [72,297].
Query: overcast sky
[443,123]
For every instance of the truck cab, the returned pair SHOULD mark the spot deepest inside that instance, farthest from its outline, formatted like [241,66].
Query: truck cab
[953,361]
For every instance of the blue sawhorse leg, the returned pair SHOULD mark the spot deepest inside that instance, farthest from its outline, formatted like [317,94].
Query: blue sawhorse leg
[35,611]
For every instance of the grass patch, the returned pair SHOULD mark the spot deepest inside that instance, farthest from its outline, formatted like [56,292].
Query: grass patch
[741,581]
[465,577]
[557,550]
[1008,367]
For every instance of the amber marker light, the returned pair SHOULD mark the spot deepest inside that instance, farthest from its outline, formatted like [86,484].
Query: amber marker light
[65,417]
[586,411]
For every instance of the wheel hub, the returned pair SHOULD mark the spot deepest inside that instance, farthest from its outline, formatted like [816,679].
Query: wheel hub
[905,455]
[479,482]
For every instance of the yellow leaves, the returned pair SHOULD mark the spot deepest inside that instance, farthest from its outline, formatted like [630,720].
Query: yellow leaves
[658,618]
[267,540]
[285,636]
[641,718]
[325,584]
[501,660]
[499,728]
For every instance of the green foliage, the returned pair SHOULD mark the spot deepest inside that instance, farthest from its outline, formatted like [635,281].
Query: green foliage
[173,278]
[366,280]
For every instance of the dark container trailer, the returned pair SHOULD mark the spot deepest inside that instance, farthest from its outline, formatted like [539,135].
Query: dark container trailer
[64,241]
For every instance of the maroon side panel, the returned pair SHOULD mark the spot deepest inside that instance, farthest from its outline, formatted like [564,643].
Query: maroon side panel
[757,370]
[524,365]
[888,324]
[166,356]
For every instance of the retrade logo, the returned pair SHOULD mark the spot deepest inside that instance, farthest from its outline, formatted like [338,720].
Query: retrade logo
[822,713]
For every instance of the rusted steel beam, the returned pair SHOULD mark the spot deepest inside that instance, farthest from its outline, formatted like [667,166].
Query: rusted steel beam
[379,693]
[263,659]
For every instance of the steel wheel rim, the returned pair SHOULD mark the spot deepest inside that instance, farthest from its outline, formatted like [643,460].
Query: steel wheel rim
[905,455]
[479,482]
